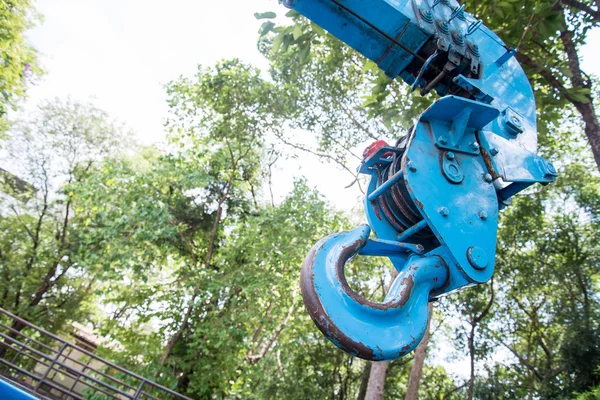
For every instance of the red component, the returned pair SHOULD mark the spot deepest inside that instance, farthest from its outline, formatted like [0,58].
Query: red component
[374,148]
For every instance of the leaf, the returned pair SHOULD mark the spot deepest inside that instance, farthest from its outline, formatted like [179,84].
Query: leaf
[297,32]
[265,15]
[316,28]
[580,98]
[369,66]
[266,27]
[277,42]
[304,54]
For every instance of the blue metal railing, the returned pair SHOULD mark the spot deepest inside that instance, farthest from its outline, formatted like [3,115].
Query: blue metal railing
[35,362]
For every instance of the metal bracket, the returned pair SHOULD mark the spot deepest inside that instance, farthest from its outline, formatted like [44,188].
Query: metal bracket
[451,168]
[456,131]
[513,122]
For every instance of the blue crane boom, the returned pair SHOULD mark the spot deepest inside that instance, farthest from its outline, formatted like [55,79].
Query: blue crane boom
[433,199]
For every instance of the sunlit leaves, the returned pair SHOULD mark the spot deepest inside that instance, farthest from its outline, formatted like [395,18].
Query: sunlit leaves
[19,60]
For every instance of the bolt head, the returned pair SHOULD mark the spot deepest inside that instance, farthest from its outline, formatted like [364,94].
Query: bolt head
[412,167]
[450,155]
[488,178]
[477,257]
[444,212]
[494,151]
[483,215]
[442,140]
[475,146]
[516,121]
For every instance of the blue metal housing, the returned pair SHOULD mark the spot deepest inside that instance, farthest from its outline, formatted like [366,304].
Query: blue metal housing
[11,391]
[432,204]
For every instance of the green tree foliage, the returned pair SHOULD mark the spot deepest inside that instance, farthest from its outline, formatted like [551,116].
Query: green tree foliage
[18,60]
[174,254]
[201,278]
[44,274]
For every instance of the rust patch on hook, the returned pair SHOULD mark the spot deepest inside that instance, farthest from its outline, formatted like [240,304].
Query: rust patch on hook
[317,313]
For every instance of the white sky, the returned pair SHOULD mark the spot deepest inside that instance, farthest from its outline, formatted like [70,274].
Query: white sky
[119,53]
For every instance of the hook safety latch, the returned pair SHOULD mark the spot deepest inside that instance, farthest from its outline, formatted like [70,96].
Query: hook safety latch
[369,330]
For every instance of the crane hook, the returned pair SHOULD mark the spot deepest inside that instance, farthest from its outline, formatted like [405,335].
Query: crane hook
[369,330]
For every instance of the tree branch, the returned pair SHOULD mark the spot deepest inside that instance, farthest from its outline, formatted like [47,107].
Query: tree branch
[566,37]
[256,358]
[323,155]
[18,216]
[522,360]
[584,7]
[487,307]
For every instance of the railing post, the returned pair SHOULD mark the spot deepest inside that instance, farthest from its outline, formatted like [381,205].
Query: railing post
[47,372]
[18,353]
[138,392]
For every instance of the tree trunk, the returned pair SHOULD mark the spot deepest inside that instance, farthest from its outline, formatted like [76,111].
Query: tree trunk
[414,379]
[253,359]
[376,387]
[364,382]
[580,80]
[175,338]
[592,128]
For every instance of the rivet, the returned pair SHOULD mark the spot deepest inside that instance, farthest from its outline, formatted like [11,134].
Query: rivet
[450,155]
[442,140]
[444,212]
[483,215]
[412,166]
[488,178]
[475,146]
